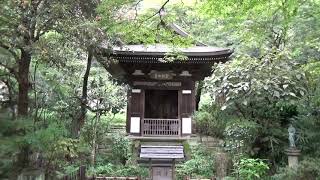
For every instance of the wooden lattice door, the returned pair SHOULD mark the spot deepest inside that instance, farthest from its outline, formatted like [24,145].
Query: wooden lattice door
[161,173]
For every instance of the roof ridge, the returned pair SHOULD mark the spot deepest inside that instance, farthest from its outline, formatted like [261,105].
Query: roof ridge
[177,29]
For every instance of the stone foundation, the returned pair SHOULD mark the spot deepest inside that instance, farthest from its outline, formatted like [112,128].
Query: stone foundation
[293,157]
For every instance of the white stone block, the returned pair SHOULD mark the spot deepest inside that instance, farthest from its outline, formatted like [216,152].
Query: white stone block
[136,90]
[135,125]
[186,126]
[186,91]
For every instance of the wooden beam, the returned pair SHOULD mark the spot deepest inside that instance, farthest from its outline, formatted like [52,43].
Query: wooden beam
[173,169]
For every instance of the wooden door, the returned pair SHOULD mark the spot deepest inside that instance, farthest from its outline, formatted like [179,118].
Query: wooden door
[161,173]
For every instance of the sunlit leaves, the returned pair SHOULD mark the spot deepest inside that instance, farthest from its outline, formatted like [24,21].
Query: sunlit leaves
[246,80]
[133,26]
[265,24]
[240,134]
[201,164]
[251,169]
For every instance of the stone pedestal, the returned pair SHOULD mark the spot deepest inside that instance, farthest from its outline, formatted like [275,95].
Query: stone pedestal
[221,164]
[293,157]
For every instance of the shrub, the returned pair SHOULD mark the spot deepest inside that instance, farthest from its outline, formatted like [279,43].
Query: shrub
[200,165]
[118,170]
[240,134]
[208,124]
[309,169]
[250,169]
[121,148]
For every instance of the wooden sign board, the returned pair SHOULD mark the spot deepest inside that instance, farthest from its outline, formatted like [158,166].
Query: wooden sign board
[157,84]
[161,75]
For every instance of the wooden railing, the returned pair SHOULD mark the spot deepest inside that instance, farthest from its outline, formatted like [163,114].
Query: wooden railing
[161,127]
[115,178]
[80,174]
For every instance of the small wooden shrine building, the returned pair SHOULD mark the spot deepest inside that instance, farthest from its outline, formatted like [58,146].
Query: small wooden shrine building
[161,100]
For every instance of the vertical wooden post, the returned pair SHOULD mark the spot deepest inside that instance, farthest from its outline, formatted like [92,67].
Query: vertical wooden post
[82,173]
[150,169]
[142,101]
[179,111]
[173,169]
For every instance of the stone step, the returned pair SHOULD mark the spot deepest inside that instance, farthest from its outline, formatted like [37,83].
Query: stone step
[162,143]
[212,144]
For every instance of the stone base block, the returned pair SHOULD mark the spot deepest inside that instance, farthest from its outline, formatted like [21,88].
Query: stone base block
[293,157]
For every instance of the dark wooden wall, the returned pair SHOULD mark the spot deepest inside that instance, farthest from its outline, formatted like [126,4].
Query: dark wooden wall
[135,106]
[161,104]
[186,102]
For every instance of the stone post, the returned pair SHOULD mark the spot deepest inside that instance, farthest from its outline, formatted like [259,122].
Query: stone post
[293,157]
[221,164]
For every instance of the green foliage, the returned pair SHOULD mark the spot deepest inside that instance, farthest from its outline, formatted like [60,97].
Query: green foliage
[152,29]
[121,148]
[240,134]
[208,124]
[264,91]
[12,140]
[45,138]
[272,81]
[249,81]
[251,169]
[268,24]
[104,94]
[53,145]
[48,143]
[114,170]
[308,168]
[201,164]
[307,134]
[66,147]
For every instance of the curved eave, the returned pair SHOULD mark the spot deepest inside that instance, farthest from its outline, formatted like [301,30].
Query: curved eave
[160,59]
[162,50]
[226,52]
[192,58]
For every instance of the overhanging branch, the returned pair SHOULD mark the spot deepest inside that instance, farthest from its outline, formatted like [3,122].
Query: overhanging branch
[99,110]
[158,12]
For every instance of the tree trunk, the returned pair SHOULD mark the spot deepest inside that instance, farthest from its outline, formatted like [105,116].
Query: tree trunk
[79,122]
[94,137]
[23,83]
[93,152]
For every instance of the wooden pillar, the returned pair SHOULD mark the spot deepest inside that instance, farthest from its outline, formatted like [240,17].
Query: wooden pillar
[82,173]
[173,169]
[150,169]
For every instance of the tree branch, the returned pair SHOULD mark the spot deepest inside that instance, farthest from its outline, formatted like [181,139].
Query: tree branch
[43,29]
[84,104]
[158,12]
[136,8]
[238,107]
